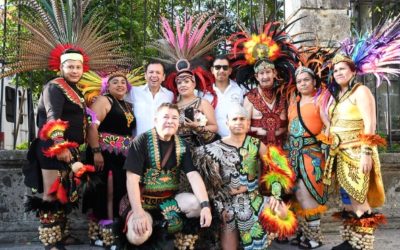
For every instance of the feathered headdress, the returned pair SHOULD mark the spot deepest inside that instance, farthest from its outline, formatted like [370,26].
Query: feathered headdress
[57,26]
[93,83]
[315,61]
[270,47]
[186,50]
[376,53]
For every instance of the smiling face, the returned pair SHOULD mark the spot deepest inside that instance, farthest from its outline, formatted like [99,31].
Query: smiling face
[343,74]
[117,87]
[221,70]
[266,77]
[167,122]
[185,85]
[305,83]
[154,75]
[72,71]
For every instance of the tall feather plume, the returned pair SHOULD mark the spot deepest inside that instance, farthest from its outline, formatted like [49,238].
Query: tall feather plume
[191,40]
[60,24]
[278,46]
[377,52]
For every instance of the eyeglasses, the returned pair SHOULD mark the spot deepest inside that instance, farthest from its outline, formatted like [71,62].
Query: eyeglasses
[218,67]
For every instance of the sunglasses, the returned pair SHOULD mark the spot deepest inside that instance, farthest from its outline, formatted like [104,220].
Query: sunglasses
[218,67]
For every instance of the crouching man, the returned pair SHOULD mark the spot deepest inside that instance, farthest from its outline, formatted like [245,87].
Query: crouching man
[154,163]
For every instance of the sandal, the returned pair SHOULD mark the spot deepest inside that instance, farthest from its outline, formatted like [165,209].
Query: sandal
[309,244]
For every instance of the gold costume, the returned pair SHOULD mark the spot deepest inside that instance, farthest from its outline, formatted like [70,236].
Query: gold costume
[345,153]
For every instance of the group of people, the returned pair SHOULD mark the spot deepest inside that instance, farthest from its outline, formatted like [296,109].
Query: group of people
[193,148]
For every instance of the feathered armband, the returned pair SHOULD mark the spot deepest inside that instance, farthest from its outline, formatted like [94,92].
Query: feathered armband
[282,227]
[54,130]
[372,140]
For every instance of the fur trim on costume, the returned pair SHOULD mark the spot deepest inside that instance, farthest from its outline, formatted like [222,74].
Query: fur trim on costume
[372,140]
[272,223]
[306,213]
[34,204]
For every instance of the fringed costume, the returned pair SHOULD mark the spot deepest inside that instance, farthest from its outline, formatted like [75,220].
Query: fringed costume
[58,34]
[375,53]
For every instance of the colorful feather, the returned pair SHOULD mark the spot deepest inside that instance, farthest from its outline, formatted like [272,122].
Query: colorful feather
[270,42]
[190,42]
[55,26]
[377,52]
[272,223]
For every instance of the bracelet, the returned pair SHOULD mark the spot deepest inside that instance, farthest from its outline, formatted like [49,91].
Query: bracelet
[96,150]
[204,204]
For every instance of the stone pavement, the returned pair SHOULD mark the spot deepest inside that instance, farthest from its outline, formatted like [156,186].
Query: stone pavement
[386,239]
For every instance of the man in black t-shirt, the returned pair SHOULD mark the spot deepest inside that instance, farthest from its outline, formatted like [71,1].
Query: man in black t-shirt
[153,165]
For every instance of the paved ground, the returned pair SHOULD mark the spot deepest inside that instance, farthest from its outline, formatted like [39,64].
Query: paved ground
[386,239]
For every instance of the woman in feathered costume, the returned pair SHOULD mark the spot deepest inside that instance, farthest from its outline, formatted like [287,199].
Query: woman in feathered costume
[306,122]
[59,41]
[109,138]
[353,157]
[187,69]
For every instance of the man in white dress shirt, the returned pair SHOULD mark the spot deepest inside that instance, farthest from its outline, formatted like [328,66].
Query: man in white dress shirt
[147,98]
[227,90]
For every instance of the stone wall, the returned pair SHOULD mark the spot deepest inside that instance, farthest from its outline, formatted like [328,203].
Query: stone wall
[16,226]
[325,20]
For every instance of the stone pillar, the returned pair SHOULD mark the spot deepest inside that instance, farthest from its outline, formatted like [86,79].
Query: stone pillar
[326,20]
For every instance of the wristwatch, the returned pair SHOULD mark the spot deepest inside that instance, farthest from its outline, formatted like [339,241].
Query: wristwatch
[204,204]
[96,150]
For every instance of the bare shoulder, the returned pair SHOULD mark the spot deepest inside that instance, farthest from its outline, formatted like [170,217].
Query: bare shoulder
[362,91]
[205,104]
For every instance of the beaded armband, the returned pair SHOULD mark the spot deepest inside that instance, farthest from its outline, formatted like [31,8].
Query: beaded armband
[54,130]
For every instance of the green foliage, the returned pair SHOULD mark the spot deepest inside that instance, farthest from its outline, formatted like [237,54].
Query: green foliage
[23,146]
[136,23]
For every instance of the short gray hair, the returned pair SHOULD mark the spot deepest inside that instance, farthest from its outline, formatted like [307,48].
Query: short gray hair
[237,109]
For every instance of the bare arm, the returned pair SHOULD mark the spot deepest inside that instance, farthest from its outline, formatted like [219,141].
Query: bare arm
[366,104]
[199,190]
[248,106]
[208,111]
[101,107]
